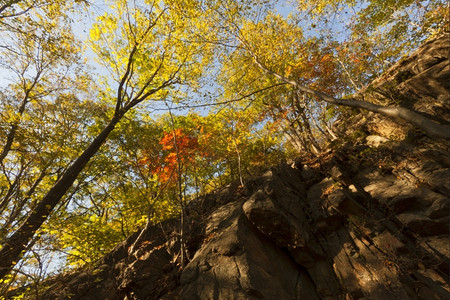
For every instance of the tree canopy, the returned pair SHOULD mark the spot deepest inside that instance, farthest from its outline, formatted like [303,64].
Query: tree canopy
[116,114]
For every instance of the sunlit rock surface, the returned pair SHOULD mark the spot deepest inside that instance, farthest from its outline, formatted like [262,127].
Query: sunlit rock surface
[368,220]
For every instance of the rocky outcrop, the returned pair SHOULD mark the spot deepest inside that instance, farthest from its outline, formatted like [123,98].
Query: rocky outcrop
[295,232]
[420,81]
[367,220]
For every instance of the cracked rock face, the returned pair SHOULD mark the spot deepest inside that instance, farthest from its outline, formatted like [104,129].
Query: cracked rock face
[337,231]
[279,239]
[239,263]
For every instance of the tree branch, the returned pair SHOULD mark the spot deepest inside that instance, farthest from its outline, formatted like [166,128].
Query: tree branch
[428,126]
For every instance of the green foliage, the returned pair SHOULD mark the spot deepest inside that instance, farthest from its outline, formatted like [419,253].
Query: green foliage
[52,105]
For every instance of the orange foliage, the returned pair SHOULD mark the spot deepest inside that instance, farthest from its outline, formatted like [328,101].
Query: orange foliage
[179,151]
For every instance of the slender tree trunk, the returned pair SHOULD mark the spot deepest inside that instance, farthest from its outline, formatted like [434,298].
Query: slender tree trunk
[427,125]
[18,207]
[330,131]
[180,193]
[309,132]
[238,154]
[181,201]
[326,134]
[13,246]
[13,130]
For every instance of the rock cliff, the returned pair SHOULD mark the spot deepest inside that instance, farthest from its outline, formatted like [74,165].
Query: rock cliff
[369,219]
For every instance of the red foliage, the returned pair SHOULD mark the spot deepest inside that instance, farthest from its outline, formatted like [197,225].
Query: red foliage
[179,150]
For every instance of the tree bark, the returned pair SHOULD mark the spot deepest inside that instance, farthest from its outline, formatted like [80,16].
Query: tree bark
[427,125]
[13,246]
[14,127]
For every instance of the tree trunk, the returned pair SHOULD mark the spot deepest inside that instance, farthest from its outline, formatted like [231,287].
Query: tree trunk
[13,246]
[238,154]
[12,131]
[427,125]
